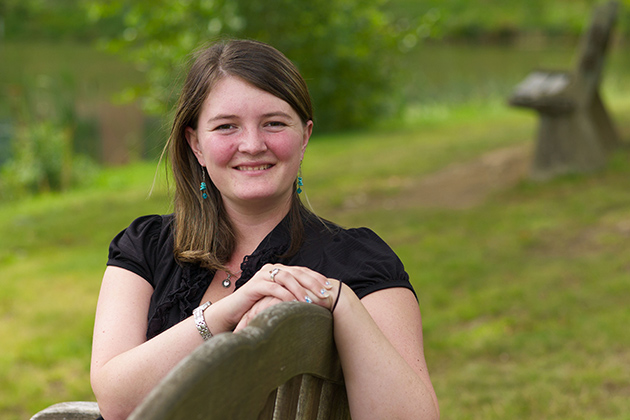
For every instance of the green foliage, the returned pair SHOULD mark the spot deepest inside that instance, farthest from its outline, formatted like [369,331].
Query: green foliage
[49,20]
[158,36]
[503,21]
[39,160]
[346,49]
[463,19]
[42,156]
[343,48]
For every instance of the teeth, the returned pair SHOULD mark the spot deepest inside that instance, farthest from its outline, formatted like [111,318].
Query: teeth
[253,168]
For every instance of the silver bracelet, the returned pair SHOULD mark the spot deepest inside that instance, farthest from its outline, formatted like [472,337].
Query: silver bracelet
[200,321]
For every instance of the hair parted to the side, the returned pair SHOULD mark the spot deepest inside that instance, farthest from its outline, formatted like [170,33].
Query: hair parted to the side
[203,233]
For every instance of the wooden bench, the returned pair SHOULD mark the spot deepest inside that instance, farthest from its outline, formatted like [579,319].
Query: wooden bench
[283,365]
[575,131]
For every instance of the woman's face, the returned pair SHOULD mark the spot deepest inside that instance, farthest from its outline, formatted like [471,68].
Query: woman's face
[251,142]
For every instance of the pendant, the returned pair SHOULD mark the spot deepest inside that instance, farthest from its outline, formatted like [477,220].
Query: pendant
[227,283]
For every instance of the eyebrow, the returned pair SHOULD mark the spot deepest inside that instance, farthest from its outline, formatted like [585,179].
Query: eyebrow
[232,116]
[220,117]
[277,114]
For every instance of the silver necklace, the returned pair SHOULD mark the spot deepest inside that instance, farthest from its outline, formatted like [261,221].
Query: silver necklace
[227,282]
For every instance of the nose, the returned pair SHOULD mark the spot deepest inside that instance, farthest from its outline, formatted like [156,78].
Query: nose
[252,142]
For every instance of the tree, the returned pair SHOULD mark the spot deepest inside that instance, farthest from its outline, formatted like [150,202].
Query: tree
[343,48]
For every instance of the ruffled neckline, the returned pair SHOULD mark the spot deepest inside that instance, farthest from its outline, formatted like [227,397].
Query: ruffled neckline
[275,244]
[194,280]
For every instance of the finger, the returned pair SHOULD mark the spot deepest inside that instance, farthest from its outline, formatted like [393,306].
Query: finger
[247,296]
[277,291]
[272,274]
[288,279]
[314,283]
[242,323]
[256,309]
[268,271]
[306,285]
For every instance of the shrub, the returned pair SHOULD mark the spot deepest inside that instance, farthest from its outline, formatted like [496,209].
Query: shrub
[42,156]
[343,48]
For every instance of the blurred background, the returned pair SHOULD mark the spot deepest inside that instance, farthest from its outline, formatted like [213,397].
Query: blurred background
[522,284]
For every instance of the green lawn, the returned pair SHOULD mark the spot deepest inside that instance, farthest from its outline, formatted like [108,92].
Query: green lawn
[523,297]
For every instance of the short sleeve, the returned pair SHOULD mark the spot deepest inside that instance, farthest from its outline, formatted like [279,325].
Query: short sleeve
[139,247]
[362,260]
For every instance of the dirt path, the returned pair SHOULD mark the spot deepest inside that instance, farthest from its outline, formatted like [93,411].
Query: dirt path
[467,184]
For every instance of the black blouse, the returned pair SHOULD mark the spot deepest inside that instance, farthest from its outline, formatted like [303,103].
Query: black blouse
[358,257]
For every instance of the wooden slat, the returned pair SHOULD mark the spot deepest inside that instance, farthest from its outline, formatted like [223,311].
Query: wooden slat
[287,399]
[308,401]
[267,411]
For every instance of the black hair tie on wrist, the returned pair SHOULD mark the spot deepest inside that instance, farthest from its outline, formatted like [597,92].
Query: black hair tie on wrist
[337,300]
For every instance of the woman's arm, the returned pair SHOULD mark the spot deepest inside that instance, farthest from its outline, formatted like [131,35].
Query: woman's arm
[379,339]
[125,366]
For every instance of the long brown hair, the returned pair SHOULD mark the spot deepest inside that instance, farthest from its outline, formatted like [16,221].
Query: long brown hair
[203,231]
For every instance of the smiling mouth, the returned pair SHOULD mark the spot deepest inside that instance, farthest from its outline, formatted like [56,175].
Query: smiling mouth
[254,168]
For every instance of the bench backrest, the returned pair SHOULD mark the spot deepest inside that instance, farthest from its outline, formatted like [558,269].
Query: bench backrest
[284,365]
[593,47]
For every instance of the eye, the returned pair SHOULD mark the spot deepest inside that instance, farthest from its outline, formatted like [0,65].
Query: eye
[224,127]
[275,125]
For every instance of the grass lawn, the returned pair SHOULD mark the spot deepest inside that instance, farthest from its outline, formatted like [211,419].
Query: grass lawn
[523,297]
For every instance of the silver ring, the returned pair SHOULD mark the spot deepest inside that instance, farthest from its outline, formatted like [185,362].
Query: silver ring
[273,273]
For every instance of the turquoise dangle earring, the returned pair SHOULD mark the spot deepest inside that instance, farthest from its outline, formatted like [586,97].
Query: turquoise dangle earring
[203,188]
[300,183]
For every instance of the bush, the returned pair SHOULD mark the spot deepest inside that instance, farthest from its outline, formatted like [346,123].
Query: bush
[343,48]
[43,161]
[42,156]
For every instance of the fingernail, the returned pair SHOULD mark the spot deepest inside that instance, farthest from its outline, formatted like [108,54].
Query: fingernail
[307,299]
[323,293]
[328,285]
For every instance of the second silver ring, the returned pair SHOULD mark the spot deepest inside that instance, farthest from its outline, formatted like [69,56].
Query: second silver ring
[272,274]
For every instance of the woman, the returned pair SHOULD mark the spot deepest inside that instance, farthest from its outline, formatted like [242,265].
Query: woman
[241,239]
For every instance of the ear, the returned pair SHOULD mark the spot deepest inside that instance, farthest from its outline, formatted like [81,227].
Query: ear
[308,130]
[193,142]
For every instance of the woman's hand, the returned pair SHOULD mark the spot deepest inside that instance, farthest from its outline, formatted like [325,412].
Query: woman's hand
[304,284]
[258,307]
[275,283]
